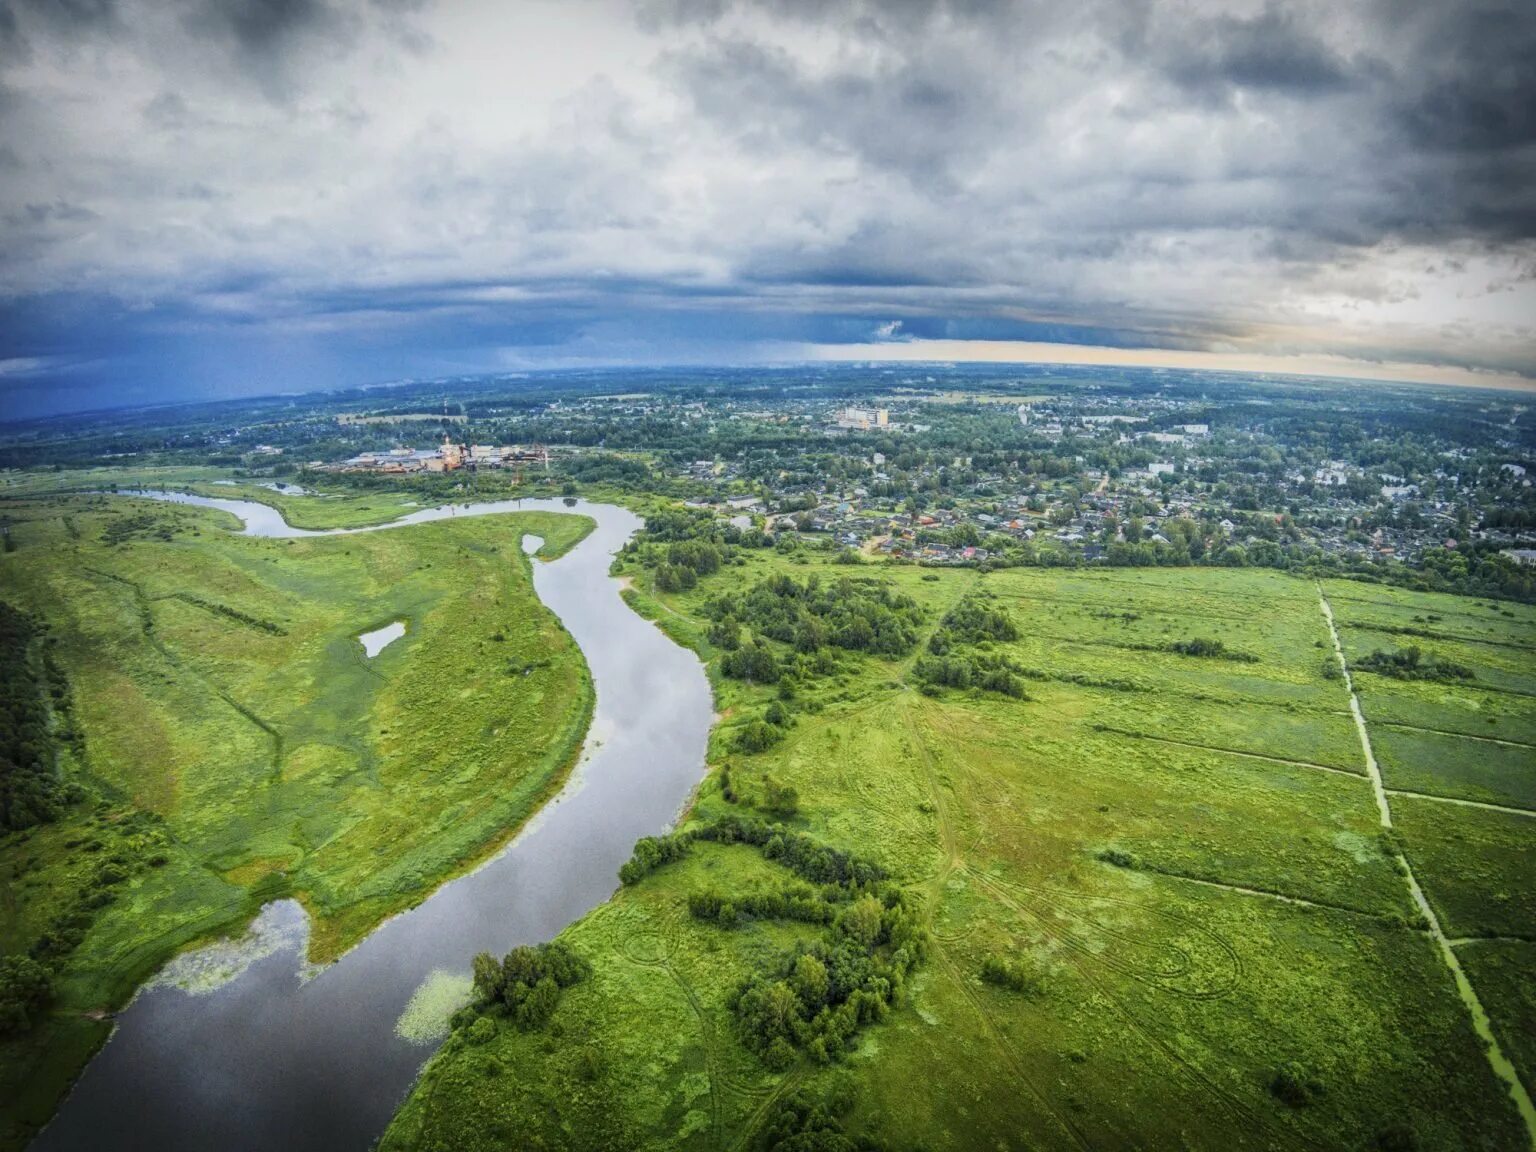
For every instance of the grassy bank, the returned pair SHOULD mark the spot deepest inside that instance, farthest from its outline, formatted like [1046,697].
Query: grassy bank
[240,747]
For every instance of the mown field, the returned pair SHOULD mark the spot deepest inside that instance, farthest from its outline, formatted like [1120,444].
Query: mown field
[1177,859]
[239,747]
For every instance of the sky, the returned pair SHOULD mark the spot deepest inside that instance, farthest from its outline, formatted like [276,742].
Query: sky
[212,198]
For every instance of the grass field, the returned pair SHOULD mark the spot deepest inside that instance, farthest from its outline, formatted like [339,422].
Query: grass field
[238,739]
[1185,853]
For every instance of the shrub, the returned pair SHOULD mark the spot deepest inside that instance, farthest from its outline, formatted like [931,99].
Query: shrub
[1015,975]
[1292,1084]
[757,736]
[781,799]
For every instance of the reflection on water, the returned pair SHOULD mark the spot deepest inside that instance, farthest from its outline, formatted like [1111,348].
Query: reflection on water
[381,638]
[265,1058]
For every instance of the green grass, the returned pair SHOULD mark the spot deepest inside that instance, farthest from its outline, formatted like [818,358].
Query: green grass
[1501,971]
[1456,766]
[1478,868]
[1258,918]
[221,687]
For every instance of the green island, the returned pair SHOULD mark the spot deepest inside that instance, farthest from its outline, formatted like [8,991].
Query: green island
[240,747]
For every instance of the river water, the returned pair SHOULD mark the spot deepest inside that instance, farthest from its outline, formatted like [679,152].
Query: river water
[282,1057]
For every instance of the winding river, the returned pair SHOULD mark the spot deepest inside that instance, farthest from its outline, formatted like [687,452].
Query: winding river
[246,1048]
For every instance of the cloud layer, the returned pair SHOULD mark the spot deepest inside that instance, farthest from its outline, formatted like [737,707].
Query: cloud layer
[208,196]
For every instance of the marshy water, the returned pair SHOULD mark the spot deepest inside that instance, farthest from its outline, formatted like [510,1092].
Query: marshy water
[243,1046]
[381,638]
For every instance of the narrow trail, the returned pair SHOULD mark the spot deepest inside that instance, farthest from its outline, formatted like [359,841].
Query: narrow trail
[1456,735]
[1497,1060]
[1232,752]
[1483,804]
[1265,894]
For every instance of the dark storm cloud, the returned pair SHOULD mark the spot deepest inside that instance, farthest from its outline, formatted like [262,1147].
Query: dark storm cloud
[1271,51]
[1179,172]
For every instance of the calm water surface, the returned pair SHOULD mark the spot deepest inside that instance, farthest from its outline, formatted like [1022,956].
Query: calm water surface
[284,1058]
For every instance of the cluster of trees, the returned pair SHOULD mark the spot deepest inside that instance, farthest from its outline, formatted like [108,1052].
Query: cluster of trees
[961,653]
[858,615]
[802,1122]
[31,790]
[973,621]
[686,544]
[134,525]
[1011,973]
[234,614]
[124,846]
[759,736]
[816,998]
[26,989]
[988,671]
[800,903]
[1412,664]
[1209,649]
[526,983]
[809,859]
[1295,1085]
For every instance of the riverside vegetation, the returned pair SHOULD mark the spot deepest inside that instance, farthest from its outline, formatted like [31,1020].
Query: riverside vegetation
[1097,852]
[190,729]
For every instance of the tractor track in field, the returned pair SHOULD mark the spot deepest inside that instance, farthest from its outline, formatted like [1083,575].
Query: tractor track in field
[144,603]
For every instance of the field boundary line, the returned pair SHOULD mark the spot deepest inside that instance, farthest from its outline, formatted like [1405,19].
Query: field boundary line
[1267,894]
[1456,735]
[1231,751]
[1409,792]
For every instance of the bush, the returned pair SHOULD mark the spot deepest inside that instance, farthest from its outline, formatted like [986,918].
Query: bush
[780,799]
[1015,975]
[757,736]
[1210,649]
[1292,1084]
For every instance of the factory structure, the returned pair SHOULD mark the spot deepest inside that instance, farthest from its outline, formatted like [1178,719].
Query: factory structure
[862,419]
[446,457]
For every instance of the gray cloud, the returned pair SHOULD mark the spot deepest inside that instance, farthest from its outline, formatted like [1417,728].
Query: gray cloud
[1334,177]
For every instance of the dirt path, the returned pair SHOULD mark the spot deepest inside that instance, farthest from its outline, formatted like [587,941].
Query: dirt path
[1456,735]
[1231,751]
[1500,1064]
[1483,804]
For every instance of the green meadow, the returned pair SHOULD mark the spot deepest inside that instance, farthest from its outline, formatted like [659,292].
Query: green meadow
[239,747]
[1175,860]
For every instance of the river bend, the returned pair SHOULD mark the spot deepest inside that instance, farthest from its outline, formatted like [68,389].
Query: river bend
[282,1057]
